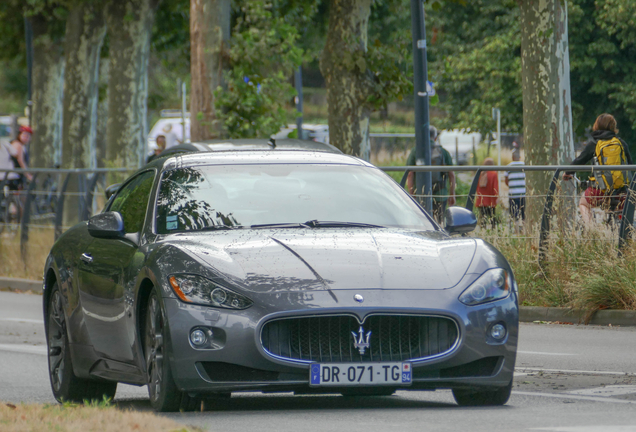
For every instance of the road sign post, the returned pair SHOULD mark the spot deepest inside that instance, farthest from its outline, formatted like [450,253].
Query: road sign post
[423,181]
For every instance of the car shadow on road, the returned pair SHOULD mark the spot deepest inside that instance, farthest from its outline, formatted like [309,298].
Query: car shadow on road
[287,401]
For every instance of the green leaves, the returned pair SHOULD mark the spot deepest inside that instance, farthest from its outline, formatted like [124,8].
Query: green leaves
[263,54]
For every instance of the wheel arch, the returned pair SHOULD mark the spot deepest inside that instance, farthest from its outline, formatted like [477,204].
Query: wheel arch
[145,288]
[50,278]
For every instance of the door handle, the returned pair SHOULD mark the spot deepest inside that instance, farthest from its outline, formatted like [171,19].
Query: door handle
[87,258]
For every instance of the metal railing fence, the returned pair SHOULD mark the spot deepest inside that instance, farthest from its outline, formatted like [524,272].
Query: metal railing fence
[29,198]
[626,226]
[47,203]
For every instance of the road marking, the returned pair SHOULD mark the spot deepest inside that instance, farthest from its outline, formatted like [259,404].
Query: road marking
[26,349]
[544,353]
[606,391]
[575,397]
[25,320]
[603,428]
[566,371]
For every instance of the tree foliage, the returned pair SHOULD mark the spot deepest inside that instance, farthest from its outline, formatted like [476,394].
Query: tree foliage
[475,61]
[263,55]
[474,57]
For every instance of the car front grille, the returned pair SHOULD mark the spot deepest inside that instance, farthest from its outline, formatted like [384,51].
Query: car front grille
[330,338]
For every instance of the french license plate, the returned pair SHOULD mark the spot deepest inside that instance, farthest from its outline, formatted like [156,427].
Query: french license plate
[353,374]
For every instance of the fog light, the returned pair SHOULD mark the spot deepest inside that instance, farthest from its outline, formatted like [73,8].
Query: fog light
[498,331]
[197,337]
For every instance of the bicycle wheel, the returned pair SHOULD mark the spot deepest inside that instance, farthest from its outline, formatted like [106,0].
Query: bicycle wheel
[11,216]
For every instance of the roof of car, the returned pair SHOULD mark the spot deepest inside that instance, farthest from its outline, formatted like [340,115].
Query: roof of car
[250,144]
[230,157]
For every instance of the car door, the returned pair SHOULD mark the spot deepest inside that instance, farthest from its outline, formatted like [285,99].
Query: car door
[108,271]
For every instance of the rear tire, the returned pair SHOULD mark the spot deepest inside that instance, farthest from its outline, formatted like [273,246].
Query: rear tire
[495,397]
[66,386]
[163,392]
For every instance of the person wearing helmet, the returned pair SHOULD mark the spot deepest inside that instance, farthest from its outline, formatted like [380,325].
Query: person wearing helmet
[19,155]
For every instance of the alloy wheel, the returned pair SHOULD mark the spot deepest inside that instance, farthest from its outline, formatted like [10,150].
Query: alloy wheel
[57,340]
[154,347]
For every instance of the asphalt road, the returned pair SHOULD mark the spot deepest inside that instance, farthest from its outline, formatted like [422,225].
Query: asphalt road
[569,378]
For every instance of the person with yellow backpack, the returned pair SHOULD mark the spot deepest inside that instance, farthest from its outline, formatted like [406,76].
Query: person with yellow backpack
[606,187]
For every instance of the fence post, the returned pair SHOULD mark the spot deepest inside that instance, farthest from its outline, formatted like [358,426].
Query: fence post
[59,208]
[470,202]
[545,218]
[26,216]
[627,219]
[404,177]
[89,195]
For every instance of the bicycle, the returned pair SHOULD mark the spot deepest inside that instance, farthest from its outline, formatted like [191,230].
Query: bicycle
[10,211]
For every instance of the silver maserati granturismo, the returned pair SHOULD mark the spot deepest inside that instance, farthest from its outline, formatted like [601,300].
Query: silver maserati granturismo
[275,266]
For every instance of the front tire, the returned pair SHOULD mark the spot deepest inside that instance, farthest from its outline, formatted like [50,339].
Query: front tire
[66,386]
[163,392]
[495,397]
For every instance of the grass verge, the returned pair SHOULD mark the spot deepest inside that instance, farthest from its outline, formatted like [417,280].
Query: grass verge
[11,263]
[582,270]
[97,417]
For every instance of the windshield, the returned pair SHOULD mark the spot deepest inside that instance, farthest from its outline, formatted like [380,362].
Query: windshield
[303,196]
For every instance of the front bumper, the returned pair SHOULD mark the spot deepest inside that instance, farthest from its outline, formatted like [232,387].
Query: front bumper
[237,361]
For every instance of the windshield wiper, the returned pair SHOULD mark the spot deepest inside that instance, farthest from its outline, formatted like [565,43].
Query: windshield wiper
[219,227]
[333,224]
[281,225]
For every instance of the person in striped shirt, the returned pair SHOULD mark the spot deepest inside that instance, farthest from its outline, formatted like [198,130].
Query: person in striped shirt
[516,182]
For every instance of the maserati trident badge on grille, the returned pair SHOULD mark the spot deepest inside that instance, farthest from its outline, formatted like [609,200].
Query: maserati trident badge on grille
[360,343]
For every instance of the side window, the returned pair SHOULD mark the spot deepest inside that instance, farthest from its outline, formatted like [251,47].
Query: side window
[132,201]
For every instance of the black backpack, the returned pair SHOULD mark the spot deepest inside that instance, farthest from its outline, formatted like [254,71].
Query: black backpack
[437,159]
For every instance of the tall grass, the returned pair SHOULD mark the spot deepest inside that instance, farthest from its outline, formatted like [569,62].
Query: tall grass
[581,270]
[11,262]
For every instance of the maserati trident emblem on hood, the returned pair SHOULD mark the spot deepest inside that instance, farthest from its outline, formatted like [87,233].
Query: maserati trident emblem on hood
[360,343]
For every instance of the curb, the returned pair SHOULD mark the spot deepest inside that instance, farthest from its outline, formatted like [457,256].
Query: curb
[562,315]
[623,318]
[22,285]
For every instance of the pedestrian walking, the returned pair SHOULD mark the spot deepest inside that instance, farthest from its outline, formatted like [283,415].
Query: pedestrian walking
[516,182]
[487,195]
[443,183]
[603,148]
[161,146]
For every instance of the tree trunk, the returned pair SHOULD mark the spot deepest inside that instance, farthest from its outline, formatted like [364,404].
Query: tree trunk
[344,67]
[85,31]
[547,112]
[48,87]
[209,42]
[130,25]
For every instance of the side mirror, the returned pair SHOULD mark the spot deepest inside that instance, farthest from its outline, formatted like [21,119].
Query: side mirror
[458,220]
[109,225]
[110,190]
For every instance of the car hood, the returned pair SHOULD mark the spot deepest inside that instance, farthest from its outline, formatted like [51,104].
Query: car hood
[309,259]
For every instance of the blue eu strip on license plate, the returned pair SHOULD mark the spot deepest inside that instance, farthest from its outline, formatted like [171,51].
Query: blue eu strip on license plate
[352,374]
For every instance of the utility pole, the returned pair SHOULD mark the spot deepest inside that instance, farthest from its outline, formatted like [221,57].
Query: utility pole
[423,181]
[496,115]
[298,82]
[183,112]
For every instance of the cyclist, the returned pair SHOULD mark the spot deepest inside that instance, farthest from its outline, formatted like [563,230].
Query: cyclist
[604,133]
[19,155]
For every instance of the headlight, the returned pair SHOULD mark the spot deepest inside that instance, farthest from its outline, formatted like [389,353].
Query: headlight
[492,285]
[199,290]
